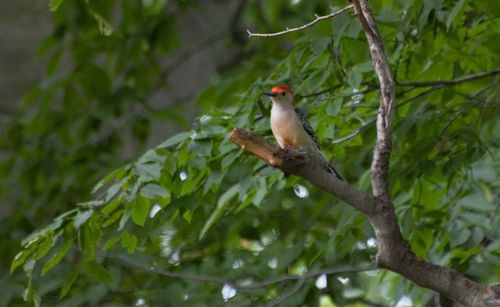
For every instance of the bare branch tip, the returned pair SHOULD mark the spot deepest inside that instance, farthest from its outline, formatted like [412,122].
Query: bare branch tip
[300,28]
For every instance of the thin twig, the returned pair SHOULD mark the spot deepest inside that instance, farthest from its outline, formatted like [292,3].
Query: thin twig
[256,285]
[287,294]
[328,271]
[473,77]
[319,93]
[307,25]
[353,133]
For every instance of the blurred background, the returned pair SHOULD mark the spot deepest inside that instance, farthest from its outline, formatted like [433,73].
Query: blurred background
[94,115]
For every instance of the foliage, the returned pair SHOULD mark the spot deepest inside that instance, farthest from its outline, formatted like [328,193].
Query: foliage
[195,221]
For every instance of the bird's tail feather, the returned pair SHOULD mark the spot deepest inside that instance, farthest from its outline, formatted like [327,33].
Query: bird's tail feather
[331,170]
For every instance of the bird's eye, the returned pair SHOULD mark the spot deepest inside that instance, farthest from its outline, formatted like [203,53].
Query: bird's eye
[283,93]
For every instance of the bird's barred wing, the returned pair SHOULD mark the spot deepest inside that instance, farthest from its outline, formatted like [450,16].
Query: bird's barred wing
[307,126]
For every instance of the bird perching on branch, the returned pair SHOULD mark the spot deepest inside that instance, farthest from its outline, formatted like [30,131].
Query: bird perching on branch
[289,124]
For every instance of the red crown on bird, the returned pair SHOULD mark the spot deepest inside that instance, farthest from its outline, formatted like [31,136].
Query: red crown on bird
[280,88]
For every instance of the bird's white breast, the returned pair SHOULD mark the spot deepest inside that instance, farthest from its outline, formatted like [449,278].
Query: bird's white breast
[287,128]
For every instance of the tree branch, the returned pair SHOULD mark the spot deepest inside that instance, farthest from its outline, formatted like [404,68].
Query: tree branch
[294,290]
[307,25]
[256,285]
[353,133]
[327,271]
[473,77]
[307,163]
[319,93]
[383,146]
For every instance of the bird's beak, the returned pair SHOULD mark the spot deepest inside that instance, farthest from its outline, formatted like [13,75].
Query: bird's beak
[271,94]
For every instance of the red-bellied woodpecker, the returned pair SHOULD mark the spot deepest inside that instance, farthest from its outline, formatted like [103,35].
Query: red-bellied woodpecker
[289,124]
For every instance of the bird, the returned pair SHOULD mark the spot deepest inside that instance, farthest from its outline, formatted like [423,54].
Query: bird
[289,124]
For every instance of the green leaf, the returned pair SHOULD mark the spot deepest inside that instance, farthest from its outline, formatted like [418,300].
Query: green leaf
[334,107]
[129,242]
[463,254]
[30,294]
[114,175]
[319,45]
[68,282]
[104,27]
[285,259]
[82,217]
[315,80]
[454,12]
[230,193]
[98,272]
[148,171]
[354,77]
[91,234]
[37,235]
[112,241]
[170,163]
[213,182]
[153,190]
[125,217]
[21,257]
[45,246]
[109,208]
[219,210]
[459,237]
[201,147]
[114,189]
[475,219]
[229,159]
[193,183]
[154,6]
[29,266]
[188,215]
[176,139]
[261,193]
[152,156]
[476,201]
[91,204]
[140,210]
[54,5]
[57,256]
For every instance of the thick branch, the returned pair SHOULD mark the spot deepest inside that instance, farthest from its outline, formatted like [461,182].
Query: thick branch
[307,25]
[307,163]
[383,146]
